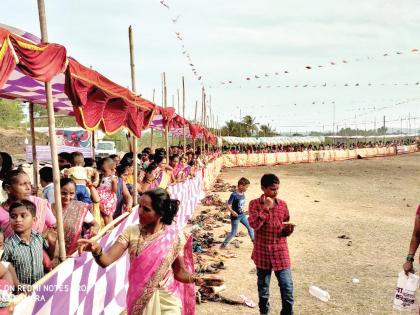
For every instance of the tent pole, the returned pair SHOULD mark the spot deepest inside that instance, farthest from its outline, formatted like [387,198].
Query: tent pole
[205,120]
[133,88]
[151,139]
[53,140]
[184,139]
[163,104]
[33,142]
[202,118]
[167,118]
[151,129]
[195,121]
[93,145]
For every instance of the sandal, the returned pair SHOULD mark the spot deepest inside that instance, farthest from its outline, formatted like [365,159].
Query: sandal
[248,302]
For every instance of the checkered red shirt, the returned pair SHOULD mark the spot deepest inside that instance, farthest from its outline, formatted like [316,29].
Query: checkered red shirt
[270,249]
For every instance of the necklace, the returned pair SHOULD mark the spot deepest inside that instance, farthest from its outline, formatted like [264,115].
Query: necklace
[147,237]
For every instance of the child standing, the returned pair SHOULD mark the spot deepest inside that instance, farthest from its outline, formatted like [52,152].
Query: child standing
[46,176]
[236,204]
[267,215]
[24,248]
[107,189]
[86,178]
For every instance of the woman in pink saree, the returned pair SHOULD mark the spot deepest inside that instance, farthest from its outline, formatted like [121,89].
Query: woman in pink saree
[76,214]
[18,186]
[161,279]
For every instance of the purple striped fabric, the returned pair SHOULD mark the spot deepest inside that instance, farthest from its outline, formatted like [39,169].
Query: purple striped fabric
[80,286]
[43,152]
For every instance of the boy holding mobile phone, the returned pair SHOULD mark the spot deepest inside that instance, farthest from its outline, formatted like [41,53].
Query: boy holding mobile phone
[268,216]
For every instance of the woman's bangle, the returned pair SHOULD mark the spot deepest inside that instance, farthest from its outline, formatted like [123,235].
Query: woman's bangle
[410,258]
[98,255]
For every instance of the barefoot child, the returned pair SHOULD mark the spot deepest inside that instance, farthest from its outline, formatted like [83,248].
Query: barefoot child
[107,189]
[236,205]
[268,216]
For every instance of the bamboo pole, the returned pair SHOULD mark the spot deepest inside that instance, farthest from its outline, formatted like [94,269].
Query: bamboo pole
[133,88]
[167,120]
[33,143]
[195,121]
[205,121]
[53,141]
[184,139]
[151,129]
[202,117]
[163,102]
[93,145]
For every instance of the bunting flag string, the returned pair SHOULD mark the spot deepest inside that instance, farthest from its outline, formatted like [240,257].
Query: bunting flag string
[320,85]
[253,77]
[359,112]
[184,50]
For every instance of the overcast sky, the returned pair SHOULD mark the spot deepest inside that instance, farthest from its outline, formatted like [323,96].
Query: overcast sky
[235,39]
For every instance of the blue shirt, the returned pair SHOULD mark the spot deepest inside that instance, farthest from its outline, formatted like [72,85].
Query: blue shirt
[237,202]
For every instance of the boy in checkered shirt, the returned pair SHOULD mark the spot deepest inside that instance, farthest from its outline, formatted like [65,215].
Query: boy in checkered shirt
[268,216]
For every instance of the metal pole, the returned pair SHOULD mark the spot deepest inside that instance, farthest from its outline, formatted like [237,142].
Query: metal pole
[133,88]
[33,142]
[53,141]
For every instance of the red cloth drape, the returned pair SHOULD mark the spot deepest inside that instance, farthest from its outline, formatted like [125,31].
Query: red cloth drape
[100,102]
[40,61]
[195,130]
[7,62]
[41,65]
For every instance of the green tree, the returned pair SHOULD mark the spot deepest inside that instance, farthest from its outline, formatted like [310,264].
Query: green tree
[232,129]
[266,131]
[60,122]
[11,114]
[251,127]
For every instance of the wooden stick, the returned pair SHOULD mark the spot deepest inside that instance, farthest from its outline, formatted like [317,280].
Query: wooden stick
[133,88]
[33,142]
[202,117]
[184,138]
[179,108]
[53,140]
[205,121]
[93,145]
[163,105]
[151,129]
[195,121]
[167,120]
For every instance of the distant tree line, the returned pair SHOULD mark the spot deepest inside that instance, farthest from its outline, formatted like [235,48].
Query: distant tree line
[247,127]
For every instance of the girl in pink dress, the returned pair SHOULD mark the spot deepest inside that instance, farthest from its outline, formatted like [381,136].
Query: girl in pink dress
[107,189]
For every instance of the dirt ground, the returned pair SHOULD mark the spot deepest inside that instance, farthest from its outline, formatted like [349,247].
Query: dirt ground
[371,201]
[12,141]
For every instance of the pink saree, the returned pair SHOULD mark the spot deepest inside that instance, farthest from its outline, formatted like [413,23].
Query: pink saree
[45,217]
[73,218]
[149,268]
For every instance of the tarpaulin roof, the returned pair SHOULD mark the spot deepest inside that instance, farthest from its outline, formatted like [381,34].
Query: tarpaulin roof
[94,100]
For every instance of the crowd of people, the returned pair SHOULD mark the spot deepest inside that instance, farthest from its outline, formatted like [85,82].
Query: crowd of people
[314,147]
[93,193]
